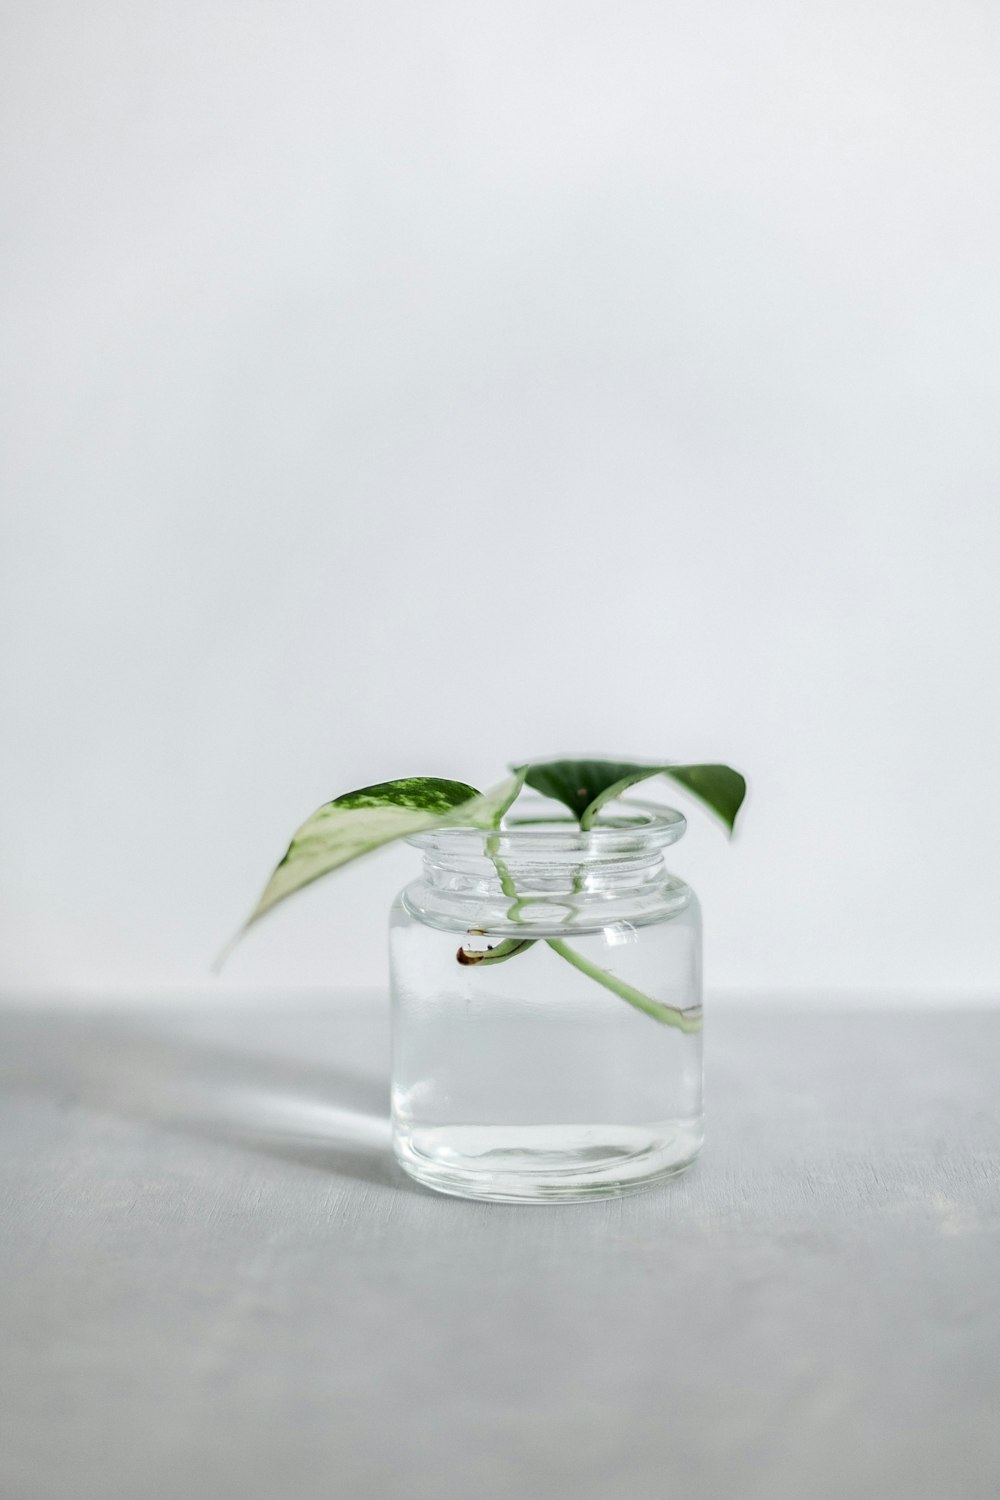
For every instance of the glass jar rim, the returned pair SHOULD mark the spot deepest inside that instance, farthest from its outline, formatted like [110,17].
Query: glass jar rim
[635,828]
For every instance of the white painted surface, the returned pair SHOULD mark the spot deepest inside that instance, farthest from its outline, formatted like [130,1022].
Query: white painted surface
[213,1281]
[394,388]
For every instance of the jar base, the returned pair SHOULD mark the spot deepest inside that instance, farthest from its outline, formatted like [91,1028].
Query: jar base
[547,1163]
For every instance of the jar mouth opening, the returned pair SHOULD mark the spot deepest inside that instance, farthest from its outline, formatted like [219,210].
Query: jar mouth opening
[530,829]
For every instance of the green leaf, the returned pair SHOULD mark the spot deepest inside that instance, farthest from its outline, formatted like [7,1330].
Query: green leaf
[360,821]
[586,786]
[720,788]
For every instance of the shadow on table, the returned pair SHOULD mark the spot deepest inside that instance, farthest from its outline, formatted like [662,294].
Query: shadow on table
[332,1118]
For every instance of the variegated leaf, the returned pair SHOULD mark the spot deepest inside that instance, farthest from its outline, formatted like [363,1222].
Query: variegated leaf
[361,821]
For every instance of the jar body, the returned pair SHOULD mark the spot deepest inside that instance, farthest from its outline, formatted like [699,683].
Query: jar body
[519,1072]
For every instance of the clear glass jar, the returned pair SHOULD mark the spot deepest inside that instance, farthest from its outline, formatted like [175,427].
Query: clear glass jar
[524,1066]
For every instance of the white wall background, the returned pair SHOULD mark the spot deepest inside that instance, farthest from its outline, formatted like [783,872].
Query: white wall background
[407,388]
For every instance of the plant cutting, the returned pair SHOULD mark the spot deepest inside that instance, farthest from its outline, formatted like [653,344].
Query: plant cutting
[546,973]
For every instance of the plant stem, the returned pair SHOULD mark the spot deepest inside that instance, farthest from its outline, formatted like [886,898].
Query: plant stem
[506,880]
[685,1020]
[498,953]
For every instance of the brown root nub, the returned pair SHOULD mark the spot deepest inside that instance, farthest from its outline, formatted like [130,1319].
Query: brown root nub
[465,957]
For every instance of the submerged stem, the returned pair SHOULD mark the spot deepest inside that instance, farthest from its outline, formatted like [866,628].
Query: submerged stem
[506,879]
[511,946]
[495,953]
[685,1020]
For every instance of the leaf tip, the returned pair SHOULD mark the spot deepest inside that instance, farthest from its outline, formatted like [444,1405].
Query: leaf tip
[221,958]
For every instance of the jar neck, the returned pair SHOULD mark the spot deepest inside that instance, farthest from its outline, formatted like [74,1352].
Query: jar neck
[520,873]
[550,874]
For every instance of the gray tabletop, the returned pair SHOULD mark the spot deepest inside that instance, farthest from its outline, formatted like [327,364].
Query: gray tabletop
[215,1283]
